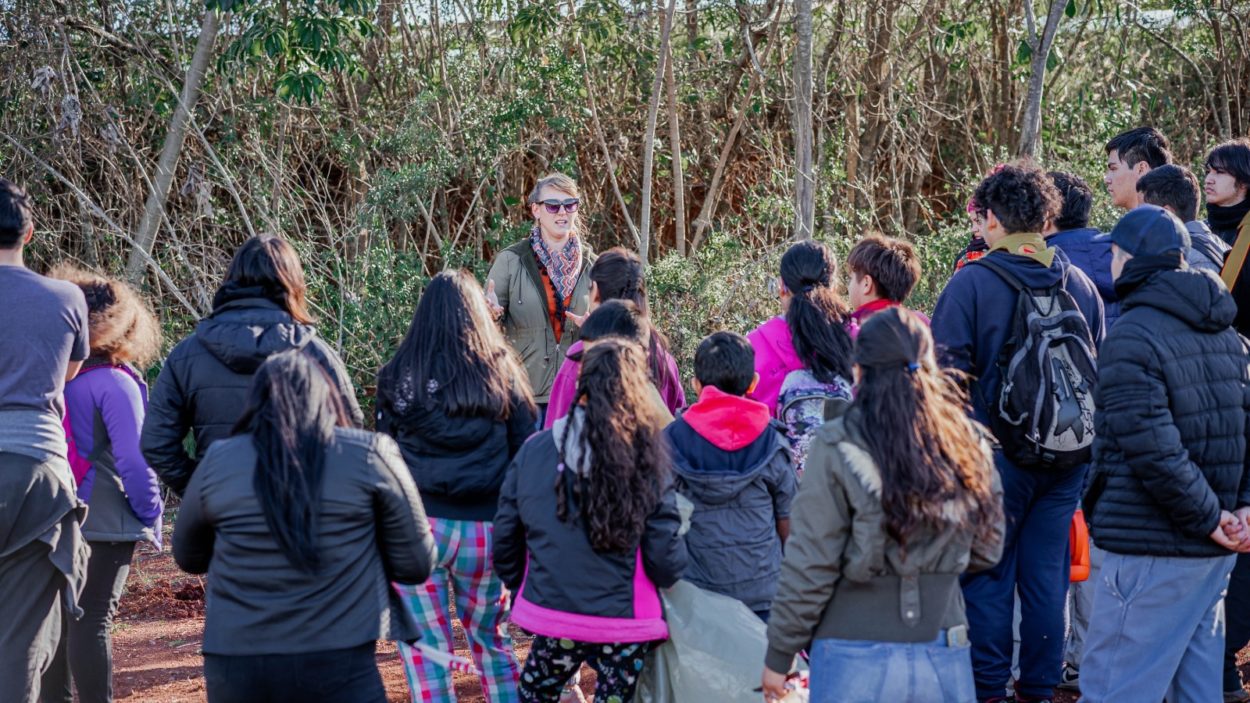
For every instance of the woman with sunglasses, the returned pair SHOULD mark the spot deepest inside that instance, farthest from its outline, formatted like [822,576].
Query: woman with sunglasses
[535,283]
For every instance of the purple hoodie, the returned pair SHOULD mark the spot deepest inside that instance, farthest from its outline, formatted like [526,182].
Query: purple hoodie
[122,399]
[564,387]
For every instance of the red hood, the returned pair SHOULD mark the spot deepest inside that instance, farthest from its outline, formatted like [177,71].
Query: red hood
[729,422]
[867,310]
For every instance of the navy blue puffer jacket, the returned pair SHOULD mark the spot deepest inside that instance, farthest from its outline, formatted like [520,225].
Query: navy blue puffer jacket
[1173,393]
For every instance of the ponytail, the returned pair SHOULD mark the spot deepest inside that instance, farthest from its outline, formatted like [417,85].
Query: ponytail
[817,317]
[291,413]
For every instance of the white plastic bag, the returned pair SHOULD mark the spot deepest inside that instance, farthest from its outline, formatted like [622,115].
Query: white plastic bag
[715,652]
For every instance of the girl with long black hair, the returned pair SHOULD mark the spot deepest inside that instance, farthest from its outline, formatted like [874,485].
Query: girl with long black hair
[260,309]
[301,523]
[456,399]
[618,274]
[803,357]
[587,531]
[899,498]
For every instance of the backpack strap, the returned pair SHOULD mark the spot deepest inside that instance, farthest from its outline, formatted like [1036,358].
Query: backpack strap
[1237,257]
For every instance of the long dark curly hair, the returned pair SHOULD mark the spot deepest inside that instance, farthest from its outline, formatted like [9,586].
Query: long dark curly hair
[930,454]
[623,464]
[292,410]
[817,316]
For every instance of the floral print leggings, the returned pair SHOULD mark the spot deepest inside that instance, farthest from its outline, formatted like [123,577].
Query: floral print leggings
[553,661]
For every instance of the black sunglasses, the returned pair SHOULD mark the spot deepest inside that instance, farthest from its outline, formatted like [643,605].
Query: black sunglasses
[553,206]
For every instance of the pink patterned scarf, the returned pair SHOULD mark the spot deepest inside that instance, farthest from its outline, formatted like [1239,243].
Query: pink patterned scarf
[562,265]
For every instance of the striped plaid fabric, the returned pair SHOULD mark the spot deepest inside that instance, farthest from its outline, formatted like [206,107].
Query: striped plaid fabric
[463,571]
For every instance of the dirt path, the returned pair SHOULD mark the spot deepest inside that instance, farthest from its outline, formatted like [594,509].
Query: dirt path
[156,643]
[159,628]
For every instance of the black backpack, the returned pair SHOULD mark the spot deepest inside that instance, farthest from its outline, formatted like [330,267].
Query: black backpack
[1044,413]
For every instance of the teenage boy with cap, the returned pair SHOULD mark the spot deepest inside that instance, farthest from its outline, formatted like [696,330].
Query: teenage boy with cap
[972,323]
[1169,470]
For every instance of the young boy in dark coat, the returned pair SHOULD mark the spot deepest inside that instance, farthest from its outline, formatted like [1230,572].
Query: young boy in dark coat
[733,463]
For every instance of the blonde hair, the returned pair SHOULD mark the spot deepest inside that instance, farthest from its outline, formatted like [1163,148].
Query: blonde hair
[123,328]
[558,181]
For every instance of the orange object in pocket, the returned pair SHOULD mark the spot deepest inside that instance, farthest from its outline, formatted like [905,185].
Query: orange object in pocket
[1078,538]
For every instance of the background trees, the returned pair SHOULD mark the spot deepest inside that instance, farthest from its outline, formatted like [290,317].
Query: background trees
[392,138]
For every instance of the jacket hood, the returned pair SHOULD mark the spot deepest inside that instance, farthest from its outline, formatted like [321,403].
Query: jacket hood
[1031,272]
[729,422]
[775,336]
[571,456]
[1196,297]
[714,475]
[243,333]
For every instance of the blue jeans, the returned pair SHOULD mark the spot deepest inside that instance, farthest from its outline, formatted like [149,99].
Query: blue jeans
[856,671]
[1157,630]
[1038,507]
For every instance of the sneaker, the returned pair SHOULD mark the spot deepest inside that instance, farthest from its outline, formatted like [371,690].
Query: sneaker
[1069,678]
[1238,696]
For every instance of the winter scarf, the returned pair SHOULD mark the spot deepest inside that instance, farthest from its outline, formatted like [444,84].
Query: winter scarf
[563,265]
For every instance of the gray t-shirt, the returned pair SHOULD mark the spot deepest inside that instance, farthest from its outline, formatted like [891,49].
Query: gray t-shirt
[43,327]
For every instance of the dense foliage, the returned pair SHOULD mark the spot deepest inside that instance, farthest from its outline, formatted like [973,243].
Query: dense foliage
[392,138]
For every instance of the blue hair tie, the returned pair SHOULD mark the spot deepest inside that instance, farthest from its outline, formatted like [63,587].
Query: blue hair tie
[913,367]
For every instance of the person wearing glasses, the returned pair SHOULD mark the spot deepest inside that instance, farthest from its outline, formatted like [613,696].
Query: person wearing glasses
[539,287]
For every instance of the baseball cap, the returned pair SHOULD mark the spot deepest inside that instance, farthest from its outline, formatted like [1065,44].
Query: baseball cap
[1148,230]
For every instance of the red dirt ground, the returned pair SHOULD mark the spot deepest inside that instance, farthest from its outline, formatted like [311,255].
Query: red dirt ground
[159,628]
[156,641]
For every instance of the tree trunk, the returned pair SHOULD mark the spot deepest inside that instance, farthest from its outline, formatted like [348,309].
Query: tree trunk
[674,145]
[154,208]
[648,141]
[804,178]
[1031,126]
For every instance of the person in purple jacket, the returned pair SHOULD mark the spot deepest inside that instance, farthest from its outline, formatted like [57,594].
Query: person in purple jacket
[617,275]
[106,404]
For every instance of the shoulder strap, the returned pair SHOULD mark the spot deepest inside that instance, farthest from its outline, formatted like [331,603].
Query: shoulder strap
[1237,257]
[1003,273]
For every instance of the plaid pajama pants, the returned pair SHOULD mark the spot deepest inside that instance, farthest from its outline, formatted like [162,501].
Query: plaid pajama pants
[463,569]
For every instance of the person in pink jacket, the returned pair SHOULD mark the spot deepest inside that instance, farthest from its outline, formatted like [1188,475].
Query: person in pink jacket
[815,331]
[617,275]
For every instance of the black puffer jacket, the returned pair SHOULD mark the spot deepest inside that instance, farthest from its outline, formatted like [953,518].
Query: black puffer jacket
[1173,394]
[204,382]
[458,462]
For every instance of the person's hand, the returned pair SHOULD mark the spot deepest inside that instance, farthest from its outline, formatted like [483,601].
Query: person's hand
[492,300]
[1231,533]
[1243,514]
[576,319]
[774,685]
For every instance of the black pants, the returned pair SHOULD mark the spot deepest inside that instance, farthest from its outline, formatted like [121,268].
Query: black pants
[333,676]
[552,662]
[86,647]
[1237,614]
[30,620]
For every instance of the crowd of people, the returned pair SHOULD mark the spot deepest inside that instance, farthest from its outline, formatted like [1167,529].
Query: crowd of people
[898,498]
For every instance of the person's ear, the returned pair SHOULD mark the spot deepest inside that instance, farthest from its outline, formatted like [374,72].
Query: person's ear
[1141,168]
[30,234]
[698,387]
[594,293]
[991,223]
[869,283]
[755,381]
[535,209]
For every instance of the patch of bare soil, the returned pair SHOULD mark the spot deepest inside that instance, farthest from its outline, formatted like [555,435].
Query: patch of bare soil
[159,630]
